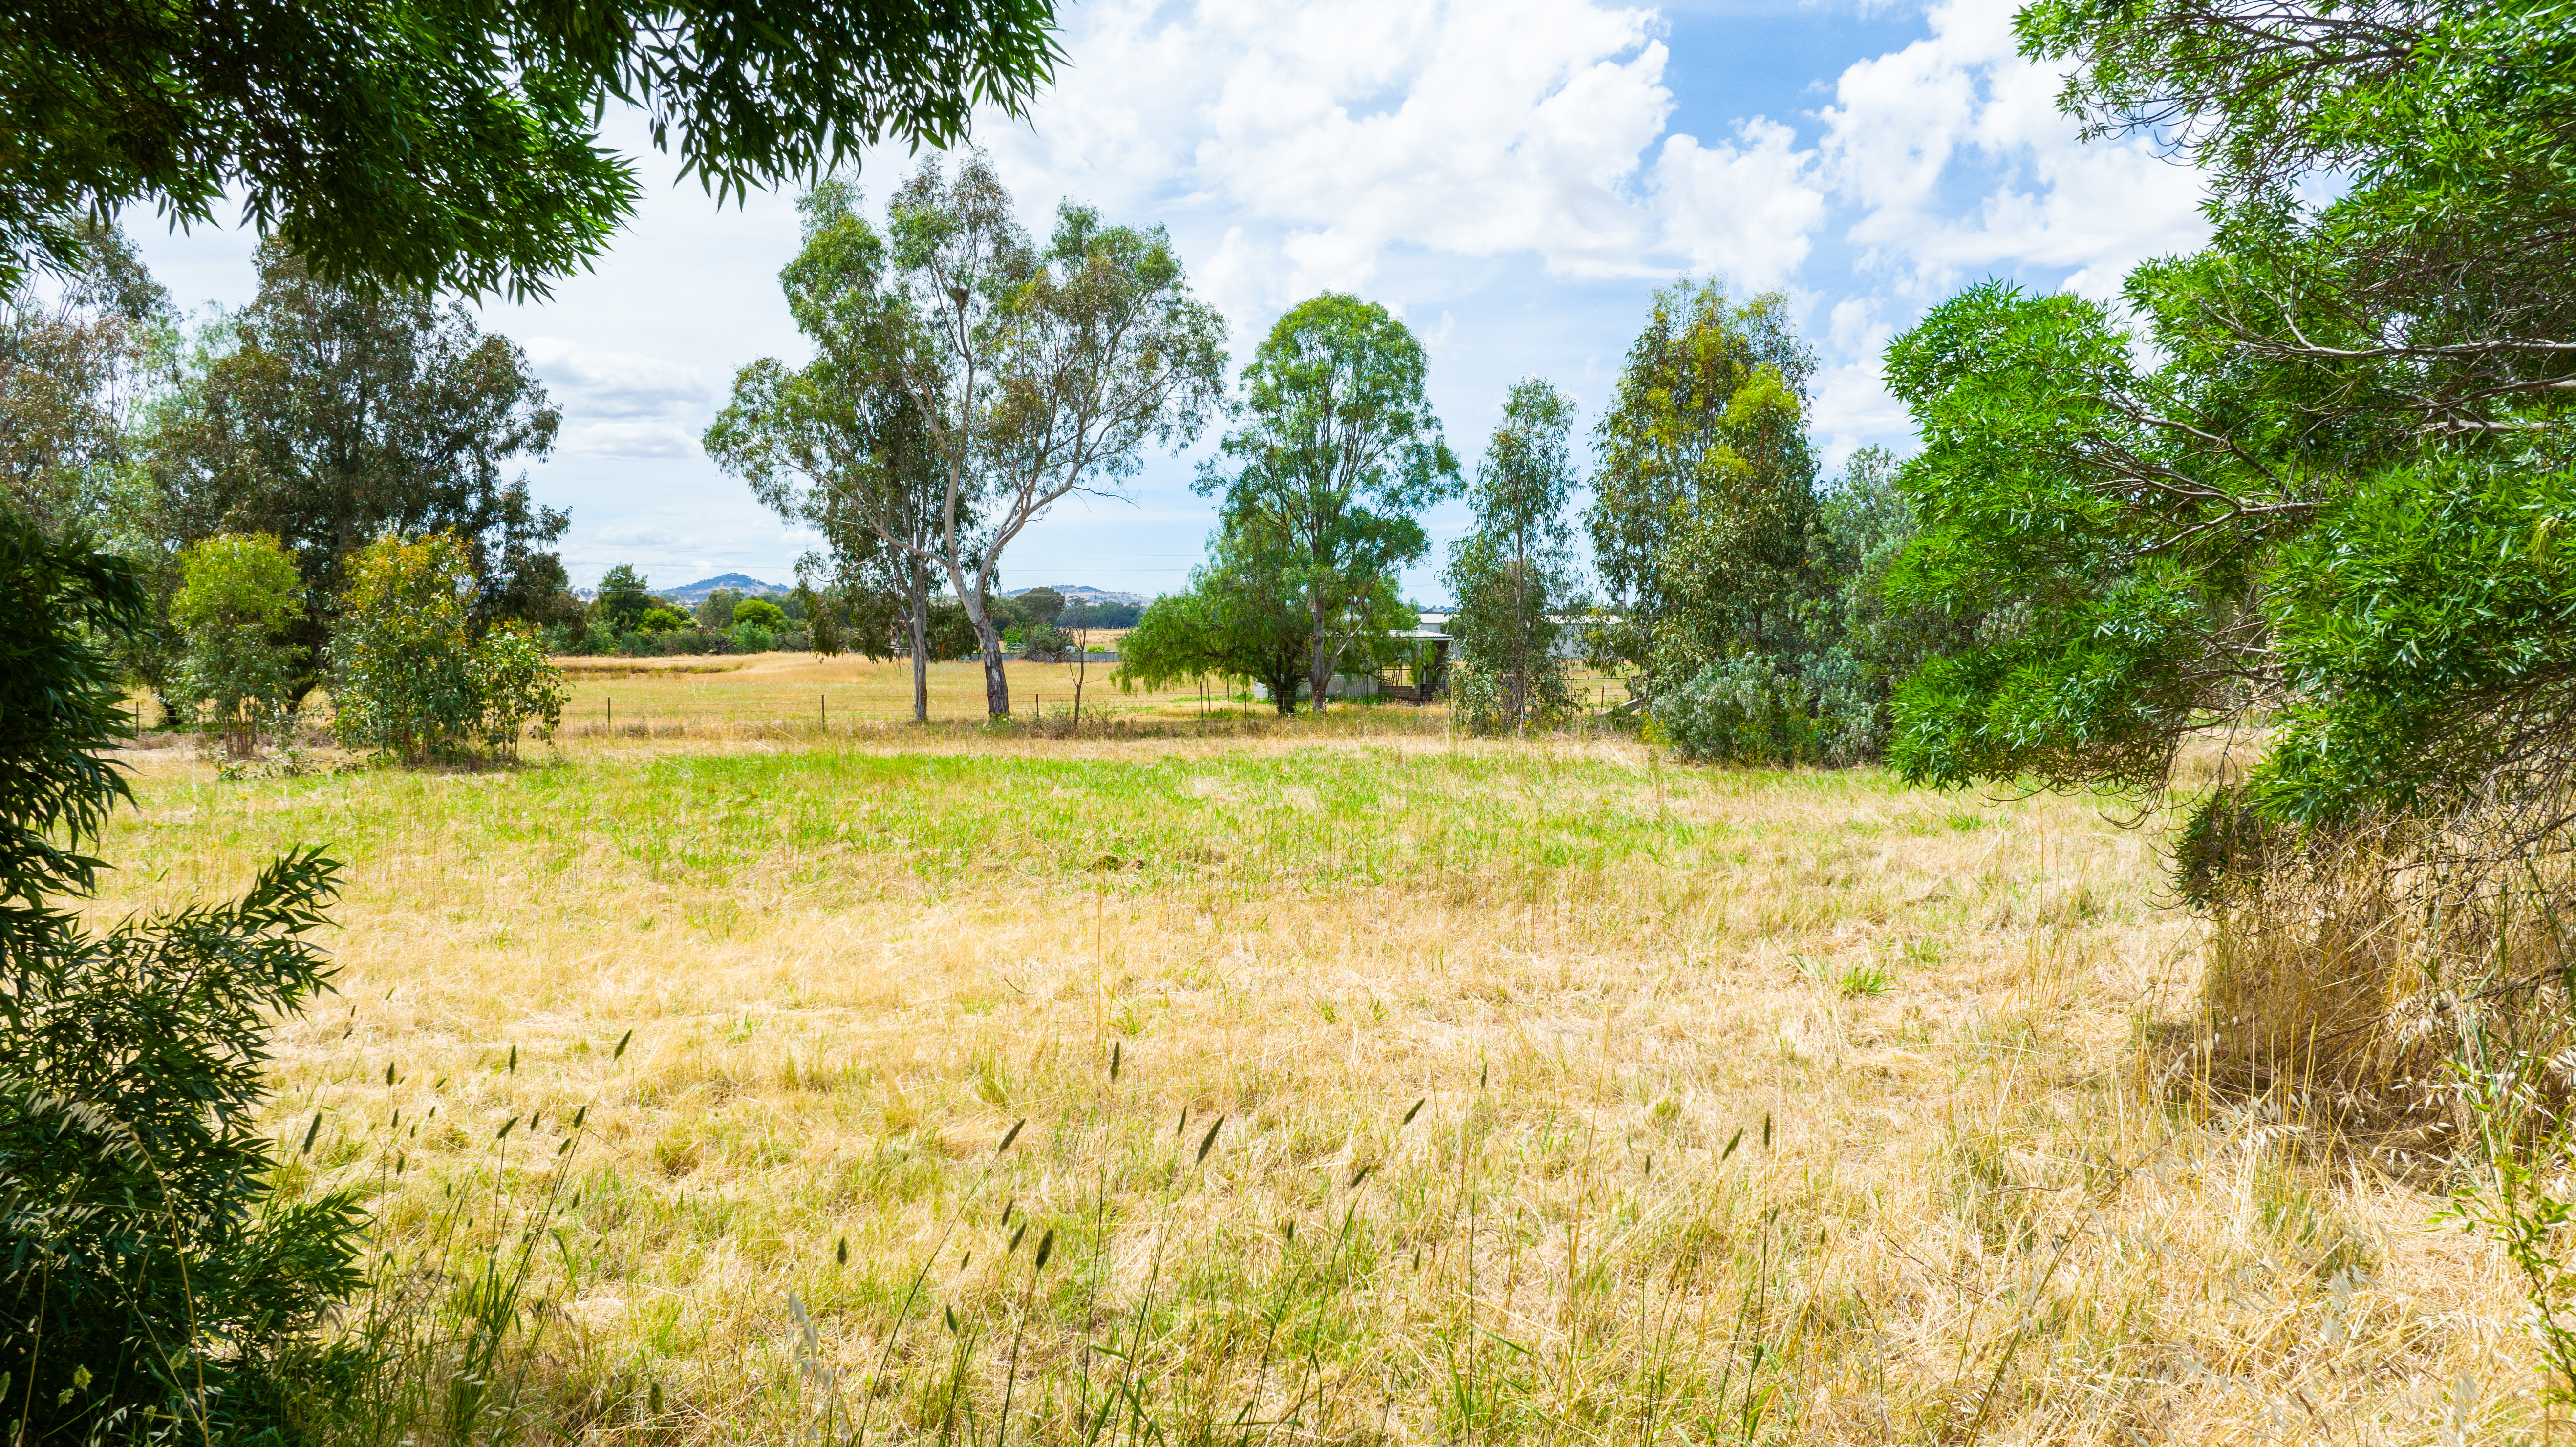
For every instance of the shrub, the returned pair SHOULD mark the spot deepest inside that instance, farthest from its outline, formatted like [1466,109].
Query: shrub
[238,595]
[152,1288]
[660,620]
[520,688]
[1743,710]
[1044,643]
[752,638]
[760,613]
[410,680]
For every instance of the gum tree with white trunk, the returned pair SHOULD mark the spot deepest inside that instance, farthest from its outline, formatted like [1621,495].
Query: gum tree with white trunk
[1038,372]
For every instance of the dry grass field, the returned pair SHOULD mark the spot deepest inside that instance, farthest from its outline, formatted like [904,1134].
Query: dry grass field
[656,698]
[1320,1085]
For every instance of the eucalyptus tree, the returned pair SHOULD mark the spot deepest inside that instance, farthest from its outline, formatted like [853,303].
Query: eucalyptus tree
[1338,455]
[1704,497]
[77,361]
[840,445]
[1514,577]
[1243,616]
[1036,372]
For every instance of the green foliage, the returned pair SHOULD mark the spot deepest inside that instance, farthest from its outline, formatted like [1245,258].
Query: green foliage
[327,414]
[61,710]
[153,1289]
[1704,501]
[2088,629]
[625,596]
[409,679]
[73,362]
[1751,605]
[402,660]
[950,633]
[1872,642]
[2329,496]
[660,620]
[760,613]
[717,610]
[1042,605]
[1751,708]
[1244,616]
[1514,577]
[518,688]
[1033,371]
[1040,640]
[1339,453]
[240,596]
[454,145]
[1085,613]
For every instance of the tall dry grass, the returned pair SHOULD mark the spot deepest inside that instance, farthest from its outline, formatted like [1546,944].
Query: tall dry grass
[2352,981]
[1355,1089]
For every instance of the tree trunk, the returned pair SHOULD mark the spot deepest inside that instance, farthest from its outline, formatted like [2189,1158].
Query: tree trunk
[1081,670]
[997,684]
[920,647]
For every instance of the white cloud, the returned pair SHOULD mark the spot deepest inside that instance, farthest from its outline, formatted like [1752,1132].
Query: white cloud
[638,536]
[615,384]
[1958,160]
[648,437]
[1398,146]
[620,404]
[1853,408]
[1747,211]
[1324,134]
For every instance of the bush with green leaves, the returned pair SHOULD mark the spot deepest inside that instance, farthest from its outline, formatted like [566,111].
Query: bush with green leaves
[1751,708]
[240,593]
[408,677]
[520,688]
[761,613]
[152,1288]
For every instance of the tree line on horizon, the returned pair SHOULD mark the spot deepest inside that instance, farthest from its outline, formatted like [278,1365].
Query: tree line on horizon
[966,378]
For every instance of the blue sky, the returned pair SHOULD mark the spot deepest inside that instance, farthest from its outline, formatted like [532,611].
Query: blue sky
[1513,177]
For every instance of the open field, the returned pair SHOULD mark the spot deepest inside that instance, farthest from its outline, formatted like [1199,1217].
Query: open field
[669,697]
[1356,1088]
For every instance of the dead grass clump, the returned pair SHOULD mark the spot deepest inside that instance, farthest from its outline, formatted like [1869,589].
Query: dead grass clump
[2346,984]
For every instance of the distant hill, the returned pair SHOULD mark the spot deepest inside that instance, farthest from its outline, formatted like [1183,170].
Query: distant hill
[743,583]
[1084,592]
